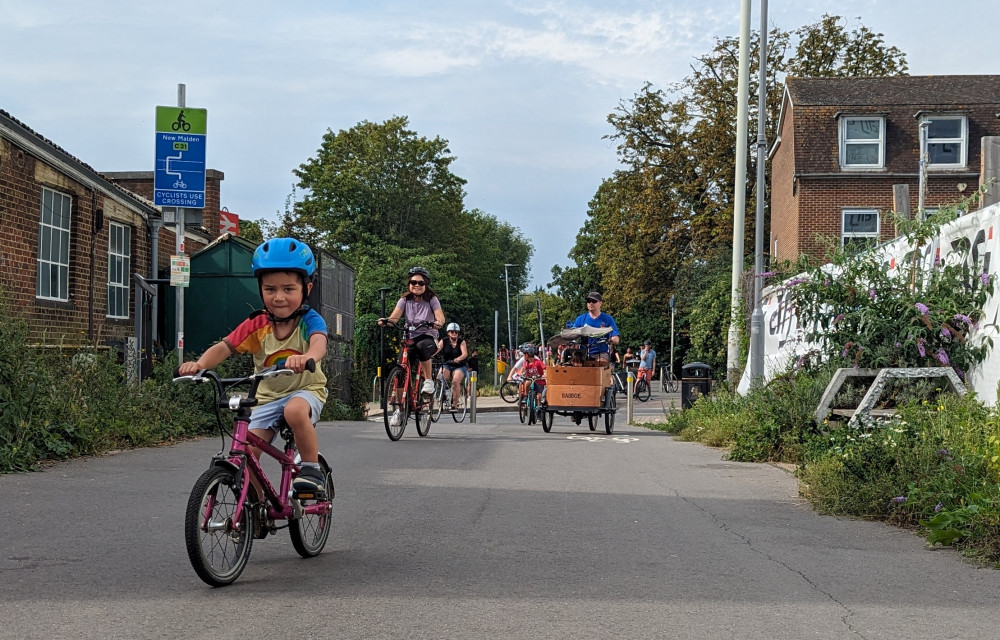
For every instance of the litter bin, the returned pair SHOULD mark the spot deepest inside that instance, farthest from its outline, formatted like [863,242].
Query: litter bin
[696,381]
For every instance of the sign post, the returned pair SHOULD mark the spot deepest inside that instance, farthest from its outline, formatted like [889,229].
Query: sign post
[179,181]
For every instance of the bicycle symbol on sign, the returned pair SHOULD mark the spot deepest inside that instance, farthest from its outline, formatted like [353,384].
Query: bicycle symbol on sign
[180,124]
[180,184]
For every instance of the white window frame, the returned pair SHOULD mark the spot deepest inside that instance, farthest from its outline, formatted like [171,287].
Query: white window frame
[119,270]
[54,234]
[846,143]
[846,236]
[962,141]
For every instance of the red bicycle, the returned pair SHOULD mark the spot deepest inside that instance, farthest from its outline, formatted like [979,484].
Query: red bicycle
[401,395]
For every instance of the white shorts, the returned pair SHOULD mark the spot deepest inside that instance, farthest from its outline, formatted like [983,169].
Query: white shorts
[266,415]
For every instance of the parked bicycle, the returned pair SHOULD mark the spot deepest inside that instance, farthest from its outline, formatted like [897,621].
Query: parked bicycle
[668,381]
[225,511]
[401,395]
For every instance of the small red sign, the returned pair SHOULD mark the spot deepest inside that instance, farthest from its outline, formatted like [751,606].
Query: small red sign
[229,223]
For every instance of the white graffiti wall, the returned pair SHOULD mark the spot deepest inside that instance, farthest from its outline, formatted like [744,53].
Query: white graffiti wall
[784,340]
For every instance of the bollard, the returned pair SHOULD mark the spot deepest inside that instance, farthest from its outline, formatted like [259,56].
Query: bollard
[629,390]
[473,378]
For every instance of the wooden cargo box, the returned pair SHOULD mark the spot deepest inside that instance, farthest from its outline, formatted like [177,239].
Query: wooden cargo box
[561,395]
[583,376]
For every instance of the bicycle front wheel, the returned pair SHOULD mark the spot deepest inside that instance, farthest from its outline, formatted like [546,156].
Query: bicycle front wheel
[458,413]
[522,409]
[310,532]
[217,545]
[396,411]
[642,391]
[508,391]
[437,405]
[423,415]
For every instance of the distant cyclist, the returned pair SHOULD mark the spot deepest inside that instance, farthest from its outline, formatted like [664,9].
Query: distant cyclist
[455,353]
[647,363]
[530,365]
[594,317]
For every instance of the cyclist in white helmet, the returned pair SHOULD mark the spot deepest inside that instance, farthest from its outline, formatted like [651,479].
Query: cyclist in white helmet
[455,353]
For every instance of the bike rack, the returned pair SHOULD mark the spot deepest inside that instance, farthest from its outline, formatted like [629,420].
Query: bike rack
[375,394]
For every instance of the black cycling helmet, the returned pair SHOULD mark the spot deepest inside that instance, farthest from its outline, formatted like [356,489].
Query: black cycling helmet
[421,271]
[530,350]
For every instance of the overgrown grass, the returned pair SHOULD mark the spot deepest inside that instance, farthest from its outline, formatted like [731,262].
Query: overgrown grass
[934,466]
[64,403]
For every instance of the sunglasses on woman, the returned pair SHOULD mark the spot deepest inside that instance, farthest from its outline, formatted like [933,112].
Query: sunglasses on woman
[417,283]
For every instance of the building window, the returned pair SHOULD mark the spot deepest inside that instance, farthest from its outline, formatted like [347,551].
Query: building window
[119,269]
[859,228]
[52,278]
[946,148]
[862,142]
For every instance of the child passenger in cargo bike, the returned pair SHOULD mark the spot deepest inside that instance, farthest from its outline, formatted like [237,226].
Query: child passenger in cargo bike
[532,365]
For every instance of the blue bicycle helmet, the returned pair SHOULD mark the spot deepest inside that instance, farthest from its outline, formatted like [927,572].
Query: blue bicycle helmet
[283,254]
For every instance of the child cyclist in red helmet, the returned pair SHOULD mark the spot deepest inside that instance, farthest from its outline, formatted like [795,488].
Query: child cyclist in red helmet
[286,331]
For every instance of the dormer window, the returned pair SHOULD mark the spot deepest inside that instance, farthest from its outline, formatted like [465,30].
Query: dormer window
[946,136]
[862,142]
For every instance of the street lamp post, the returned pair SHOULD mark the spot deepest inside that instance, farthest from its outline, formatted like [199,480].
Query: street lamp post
[506,284]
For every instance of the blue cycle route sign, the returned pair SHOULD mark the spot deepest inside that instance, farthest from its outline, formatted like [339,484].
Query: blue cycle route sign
[179,176]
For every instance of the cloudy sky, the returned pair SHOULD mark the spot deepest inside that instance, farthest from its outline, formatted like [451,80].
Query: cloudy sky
[520,88]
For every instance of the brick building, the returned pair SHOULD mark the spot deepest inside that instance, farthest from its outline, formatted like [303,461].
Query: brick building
[71,238]
[844,142]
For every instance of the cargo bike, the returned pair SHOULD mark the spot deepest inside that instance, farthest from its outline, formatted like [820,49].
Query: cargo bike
[576,386]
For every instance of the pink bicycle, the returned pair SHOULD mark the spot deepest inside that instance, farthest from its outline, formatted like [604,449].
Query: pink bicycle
[225,513]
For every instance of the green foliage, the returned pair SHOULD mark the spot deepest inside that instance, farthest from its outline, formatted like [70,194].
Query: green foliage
[669,210]
[383,199]
[875,317]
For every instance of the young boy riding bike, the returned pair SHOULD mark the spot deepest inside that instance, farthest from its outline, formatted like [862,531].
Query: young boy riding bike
[287,331]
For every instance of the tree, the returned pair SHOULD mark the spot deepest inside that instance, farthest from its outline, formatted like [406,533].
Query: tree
[668,212]
[384,199]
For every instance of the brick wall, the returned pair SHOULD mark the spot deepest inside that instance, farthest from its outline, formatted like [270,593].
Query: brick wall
[141,182]
[83,318]
[809,189]
[784,241]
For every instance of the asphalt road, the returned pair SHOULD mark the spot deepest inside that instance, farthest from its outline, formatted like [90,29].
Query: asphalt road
[493,530]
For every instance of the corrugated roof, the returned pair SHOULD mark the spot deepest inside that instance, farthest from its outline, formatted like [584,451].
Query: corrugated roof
[895,90]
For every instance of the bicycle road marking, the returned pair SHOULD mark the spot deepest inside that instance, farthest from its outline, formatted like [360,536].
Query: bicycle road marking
[621,439]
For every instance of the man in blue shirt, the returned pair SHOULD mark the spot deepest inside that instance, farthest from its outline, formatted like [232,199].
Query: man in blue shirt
[594,317]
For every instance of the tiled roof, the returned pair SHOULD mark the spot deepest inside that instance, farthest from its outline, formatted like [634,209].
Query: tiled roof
[146,205]
[895,91]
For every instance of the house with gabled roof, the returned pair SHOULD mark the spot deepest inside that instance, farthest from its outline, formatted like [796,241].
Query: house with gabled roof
[71,239]
[844,143]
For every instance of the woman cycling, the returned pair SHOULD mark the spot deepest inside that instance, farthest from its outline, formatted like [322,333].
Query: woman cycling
[455,353]
[420,304]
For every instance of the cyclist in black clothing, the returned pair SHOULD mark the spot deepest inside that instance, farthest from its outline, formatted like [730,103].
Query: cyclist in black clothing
[455,353]
[473,362]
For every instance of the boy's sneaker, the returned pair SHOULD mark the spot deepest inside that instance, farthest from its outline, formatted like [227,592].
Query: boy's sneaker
[428,388]
[396,418]
[310,483]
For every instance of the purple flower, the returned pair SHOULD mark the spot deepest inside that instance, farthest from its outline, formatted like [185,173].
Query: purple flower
[826,282]
[796,281]
[899,344]
[767,274]
[798,362]
[984,278]
[945,333]
[899,499]
[944,454]
[920,347]
[922,308]
[871,294]
[960,373]
[838,318]
[843,354]
[961,317]
[942,356]
[938,507]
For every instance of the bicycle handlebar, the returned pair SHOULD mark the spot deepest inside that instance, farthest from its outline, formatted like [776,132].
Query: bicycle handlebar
[224,384]
[386,322]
